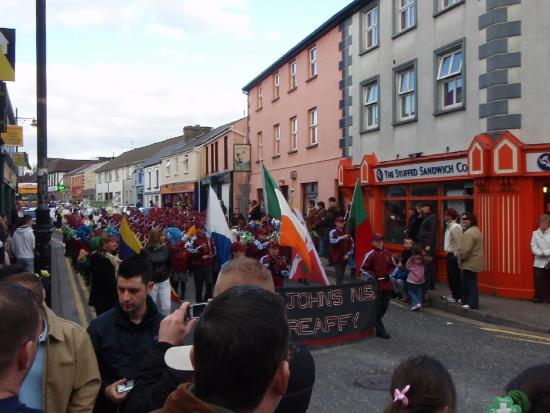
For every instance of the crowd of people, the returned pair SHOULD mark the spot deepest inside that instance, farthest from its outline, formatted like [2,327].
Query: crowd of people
[238,356]
[241,357]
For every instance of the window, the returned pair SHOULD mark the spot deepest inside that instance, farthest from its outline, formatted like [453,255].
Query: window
[370,19]
[207,160]
[276,85]
[127,173]
[259,102]
[105,177]
[98,178]
[313,70]
[216,156]
[117,174]
[225,153]
[168,168]
[177,164]
[277,140]
[149,180]
[406,15]
[110,176]
[443,5]
[405,86]
[186,163]
[260,141]
[293,134]
[450,79]
[371,108]
[156,178]
[313,121]
[293,70]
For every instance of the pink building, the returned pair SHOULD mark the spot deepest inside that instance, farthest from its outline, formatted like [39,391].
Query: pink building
[295,117]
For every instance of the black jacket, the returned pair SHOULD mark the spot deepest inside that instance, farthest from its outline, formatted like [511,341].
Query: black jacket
[427,231]
[103,293]
[120,346]
[154,382]
[159,258]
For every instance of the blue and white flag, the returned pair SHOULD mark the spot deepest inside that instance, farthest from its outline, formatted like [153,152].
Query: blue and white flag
[216,225]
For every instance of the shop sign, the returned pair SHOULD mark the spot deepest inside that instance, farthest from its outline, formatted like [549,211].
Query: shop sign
[241,157]
[13,135]
[426,170]
[538,162]
[177,188]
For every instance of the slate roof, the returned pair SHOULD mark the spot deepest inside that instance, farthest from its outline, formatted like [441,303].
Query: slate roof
[66,165]
[85,168]
[139,154]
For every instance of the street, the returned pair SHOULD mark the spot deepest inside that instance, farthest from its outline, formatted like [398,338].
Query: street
[481,357]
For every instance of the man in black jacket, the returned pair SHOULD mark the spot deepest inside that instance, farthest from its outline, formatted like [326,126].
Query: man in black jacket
[125,334]
[427,236]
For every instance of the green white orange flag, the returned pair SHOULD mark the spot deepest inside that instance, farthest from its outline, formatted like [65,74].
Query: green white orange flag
[292,233]
[359,220]
[271,204]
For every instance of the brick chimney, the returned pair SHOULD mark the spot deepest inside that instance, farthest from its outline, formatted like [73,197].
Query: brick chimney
[191,132]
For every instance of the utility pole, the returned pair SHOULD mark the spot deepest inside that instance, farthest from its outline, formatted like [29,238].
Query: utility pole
[43,225]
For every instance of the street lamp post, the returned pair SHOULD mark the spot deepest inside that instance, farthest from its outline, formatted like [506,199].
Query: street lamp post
[43,224]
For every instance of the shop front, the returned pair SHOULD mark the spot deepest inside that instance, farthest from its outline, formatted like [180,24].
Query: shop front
[178,195]
[504,182]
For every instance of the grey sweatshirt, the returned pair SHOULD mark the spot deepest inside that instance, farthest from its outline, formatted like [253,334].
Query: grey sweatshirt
[23,242]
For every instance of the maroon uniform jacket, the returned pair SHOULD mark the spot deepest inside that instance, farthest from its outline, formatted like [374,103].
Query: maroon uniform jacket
[257,249]
[200,246]
[277,266]
[340,246]
[379,264]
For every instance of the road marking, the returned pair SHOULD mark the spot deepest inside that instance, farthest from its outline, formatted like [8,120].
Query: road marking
[78,301]
[513,333]
[527,340]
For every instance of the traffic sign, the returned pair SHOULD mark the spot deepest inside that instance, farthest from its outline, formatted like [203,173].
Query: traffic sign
[7,54]
[61,187]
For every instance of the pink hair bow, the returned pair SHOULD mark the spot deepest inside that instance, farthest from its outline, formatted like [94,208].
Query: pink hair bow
[401,395]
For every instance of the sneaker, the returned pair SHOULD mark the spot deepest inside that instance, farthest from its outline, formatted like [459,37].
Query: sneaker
[465,307]
[416,307]
[447,298]
[459,301]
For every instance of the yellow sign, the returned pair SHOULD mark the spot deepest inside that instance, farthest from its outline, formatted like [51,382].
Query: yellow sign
[7,54]
[20,159]
[13,136]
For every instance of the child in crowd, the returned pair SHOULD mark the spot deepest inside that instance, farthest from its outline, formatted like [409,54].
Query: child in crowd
[415,278]
[399,277]
[422,384]
[530,391]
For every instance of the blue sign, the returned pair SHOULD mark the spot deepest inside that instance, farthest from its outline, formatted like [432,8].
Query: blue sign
[543,161]
[379,175]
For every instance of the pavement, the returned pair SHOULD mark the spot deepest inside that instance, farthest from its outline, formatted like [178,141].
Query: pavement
[522,314]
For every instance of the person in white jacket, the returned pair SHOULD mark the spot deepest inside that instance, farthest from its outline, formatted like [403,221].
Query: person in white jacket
[23,244]
[540,246]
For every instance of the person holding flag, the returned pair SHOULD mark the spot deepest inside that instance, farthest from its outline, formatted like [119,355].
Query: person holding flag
[341,248]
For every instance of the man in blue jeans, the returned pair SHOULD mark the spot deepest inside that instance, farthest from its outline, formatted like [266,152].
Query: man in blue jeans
[23,244]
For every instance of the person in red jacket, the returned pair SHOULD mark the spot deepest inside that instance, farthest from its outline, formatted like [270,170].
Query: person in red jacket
[276,264]
[203,253]
[179,258]
[378,265]
[258,248]
[238,250]
[341,247]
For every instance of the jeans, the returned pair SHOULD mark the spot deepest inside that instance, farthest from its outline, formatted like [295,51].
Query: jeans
[27,263]
[339,270]
[351,261]
[202,275]
[400,287]
[323,240]
[161,295]
[415,293]
[470,291]
[453,276]
[540,275]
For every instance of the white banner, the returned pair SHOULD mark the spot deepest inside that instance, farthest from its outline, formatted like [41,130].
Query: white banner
[538,162]
[426,170]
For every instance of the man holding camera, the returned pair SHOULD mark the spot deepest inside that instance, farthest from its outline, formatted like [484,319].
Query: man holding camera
[125,334]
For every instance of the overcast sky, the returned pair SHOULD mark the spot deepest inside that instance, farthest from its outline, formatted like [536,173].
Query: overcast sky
[126,73]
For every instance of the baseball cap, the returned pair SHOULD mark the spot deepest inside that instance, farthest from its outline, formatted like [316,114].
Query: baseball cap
[179,358]
[378,237]
[340,219]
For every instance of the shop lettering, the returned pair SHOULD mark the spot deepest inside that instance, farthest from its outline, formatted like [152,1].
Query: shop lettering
[423,171]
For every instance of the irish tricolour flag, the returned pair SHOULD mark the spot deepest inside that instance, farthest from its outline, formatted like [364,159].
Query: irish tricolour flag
[292,233]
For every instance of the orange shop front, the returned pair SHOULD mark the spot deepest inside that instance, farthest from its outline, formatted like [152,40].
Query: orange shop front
[501,180]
